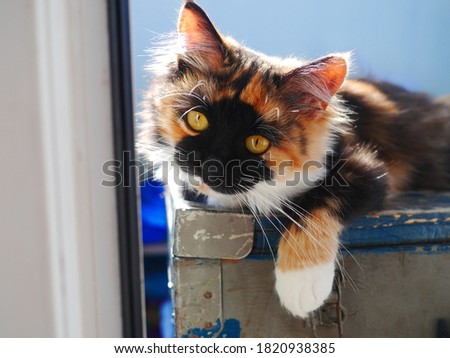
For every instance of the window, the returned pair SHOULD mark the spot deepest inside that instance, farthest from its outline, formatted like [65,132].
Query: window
[402,45]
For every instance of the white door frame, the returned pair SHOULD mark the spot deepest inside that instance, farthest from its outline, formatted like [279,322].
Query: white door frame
[64,279]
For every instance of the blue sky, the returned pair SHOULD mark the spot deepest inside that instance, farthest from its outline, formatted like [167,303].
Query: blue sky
[403,41]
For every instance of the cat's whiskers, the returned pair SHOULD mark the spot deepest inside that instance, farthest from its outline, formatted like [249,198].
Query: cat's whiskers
[262,117]
[267,204]
[282,233]
[306,231]
[201,99]
[163,148]
[244,199]
[182,94]
[190,109]
[306,216]
[258,220]
[200,83]
[295,208]
[291,205]
[317,242]
[278,112]
[156,156]
[310,222]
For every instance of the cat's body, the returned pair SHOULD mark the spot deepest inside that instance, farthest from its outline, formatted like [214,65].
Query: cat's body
[289,137]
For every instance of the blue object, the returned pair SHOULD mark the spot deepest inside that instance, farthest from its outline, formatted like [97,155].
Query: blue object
[153,208]
[412,222]
[154,232]
[156,279]
[166,320]
[231,329]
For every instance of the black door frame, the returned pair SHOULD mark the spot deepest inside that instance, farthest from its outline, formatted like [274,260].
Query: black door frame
[127,190]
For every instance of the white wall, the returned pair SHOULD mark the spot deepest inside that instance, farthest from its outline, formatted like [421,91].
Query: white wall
[59,268]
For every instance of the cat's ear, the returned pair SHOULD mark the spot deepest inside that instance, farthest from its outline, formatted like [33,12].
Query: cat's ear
[200,36]
[316,82]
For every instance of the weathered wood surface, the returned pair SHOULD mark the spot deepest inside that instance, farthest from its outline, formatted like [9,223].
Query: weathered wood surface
[414,218]
[396,281]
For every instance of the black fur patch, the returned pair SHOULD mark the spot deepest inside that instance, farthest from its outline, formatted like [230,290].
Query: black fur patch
[352,186]
[242,81]
[218,155]
[416,135]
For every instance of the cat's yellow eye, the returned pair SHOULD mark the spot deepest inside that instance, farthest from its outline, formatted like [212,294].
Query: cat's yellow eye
[197,121]
[257,144]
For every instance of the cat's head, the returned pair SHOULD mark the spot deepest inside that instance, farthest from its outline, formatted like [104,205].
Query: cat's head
[243,128]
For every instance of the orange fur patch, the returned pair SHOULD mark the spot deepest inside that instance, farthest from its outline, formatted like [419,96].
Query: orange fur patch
[371,94]
[315,130]
[284,154]
[221,94]
[316,244]
[170,128]
[256,94]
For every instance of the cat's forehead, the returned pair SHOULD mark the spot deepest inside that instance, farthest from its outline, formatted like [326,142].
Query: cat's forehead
[248,83]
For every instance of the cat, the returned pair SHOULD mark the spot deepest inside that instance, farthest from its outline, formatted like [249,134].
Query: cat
[290,137]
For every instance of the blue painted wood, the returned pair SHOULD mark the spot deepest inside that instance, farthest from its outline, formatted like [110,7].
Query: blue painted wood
[409,221]
[231,329]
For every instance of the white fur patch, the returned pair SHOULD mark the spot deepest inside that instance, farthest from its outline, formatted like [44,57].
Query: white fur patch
[268,197]
[303,291]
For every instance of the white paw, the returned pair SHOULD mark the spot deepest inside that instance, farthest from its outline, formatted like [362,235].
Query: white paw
[303,291]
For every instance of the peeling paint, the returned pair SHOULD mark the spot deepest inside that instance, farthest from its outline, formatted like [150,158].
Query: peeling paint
[212,234]
[238,236]
[406,249]
[421,221]
[403,233]
[231,329]
[191,215]
[200,235]
[246,246]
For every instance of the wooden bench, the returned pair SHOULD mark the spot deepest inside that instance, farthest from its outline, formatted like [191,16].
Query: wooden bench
[394,282]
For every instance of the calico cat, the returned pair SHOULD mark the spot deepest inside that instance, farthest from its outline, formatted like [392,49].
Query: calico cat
[290,137]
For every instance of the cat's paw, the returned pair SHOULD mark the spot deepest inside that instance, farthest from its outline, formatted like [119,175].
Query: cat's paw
[303,291]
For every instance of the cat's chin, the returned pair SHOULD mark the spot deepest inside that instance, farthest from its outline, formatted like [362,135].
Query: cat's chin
[219,200]
[262,199]
[216,198]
